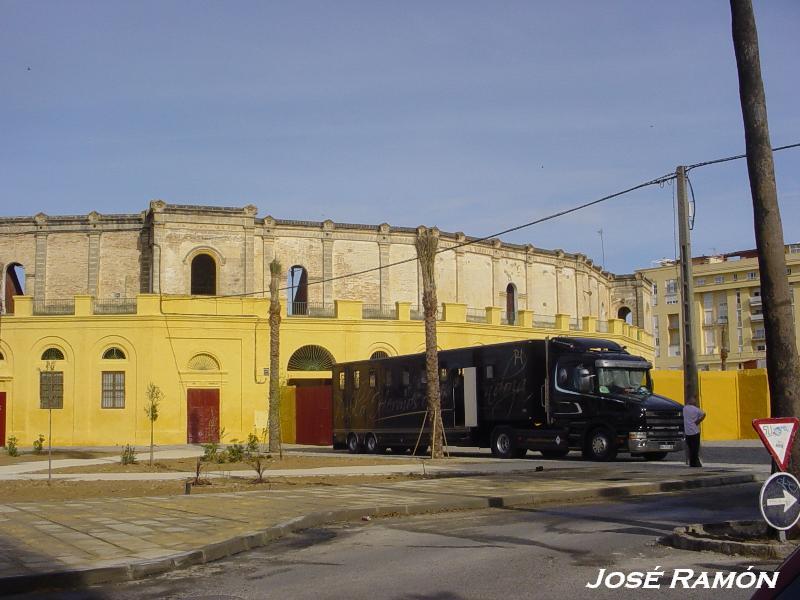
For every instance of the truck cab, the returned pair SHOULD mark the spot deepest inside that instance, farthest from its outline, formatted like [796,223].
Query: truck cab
[603,396]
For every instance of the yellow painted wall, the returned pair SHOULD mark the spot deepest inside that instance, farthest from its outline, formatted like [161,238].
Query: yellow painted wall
[166,332]
[288,414]
[753,400]
[731,400]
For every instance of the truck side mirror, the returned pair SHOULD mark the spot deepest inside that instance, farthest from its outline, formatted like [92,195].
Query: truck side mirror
[584,381]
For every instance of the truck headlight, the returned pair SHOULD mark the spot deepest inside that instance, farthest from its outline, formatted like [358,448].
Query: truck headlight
[637,435]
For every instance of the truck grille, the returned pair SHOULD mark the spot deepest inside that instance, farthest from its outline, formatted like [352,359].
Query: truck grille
[664,423]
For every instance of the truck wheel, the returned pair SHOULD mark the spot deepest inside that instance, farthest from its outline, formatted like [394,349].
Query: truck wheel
[371,444]
[655,455]
[353,447]
[502,446]
[554,453]
[600,446]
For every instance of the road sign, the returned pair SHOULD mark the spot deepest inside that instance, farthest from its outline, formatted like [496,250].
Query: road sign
[777,435]
[779,501]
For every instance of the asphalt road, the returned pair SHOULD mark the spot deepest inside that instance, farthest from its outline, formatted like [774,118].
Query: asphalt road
[549,552]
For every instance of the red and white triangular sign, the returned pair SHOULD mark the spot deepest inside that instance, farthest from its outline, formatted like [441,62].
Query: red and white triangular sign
[777,435]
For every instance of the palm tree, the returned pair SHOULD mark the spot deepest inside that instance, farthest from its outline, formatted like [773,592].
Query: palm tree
[427,243]
[274,358]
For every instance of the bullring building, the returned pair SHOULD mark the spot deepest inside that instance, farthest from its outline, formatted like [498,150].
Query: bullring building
[96,307]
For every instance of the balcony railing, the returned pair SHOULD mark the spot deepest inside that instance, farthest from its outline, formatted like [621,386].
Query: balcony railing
[757,317]
[476,315]
[674,351]
[546,321]
[114,306]
[418,313]
[62,306]
[378,311]
[311,309]
[755,301]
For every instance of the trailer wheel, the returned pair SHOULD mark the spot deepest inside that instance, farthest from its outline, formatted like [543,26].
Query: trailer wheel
[371,444]
[600,446]
[353,447]
[654,455]
[502,445]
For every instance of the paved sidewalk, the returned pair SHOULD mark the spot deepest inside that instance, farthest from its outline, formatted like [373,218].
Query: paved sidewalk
[91,541]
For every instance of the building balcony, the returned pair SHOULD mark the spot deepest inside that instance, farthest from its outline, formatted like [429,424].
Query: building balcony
[674,351]
[755,301]
[757,318]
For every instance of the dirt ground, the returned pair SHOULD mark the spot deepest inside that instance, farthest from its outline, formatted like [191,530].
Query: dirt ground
[29,456]
[142,464]
[39,491]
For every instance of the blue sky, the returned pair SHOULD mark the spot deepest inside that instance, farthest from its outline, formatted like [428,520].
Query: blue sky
[471,116]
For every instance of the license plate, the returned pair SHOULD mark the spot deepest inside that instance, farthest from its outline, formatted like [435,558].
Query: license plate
[666,446]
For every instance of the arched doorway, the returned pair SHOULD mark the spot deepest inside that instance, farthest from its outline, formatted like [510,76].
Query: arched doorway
[297,290]
[204,275]
[625,314]
[313,397]
[511,303]
[13,285]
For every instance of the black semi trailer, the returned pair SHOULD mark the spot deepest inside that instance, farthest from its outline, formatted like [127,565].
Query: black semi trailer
[552,395]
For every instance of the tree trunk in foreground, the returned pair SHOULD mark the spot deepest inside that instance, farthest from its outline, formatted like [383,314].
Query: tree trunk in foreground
[274,358]
[427,244]
[783,364]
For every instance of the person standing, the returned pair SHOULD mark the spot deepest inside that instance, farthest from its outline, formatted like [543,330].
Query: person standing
[692,417]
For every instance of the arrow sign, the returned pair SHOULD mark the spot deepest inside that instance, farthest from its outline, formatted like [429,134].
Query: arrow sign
[779,501]
[777,435]
[787,501]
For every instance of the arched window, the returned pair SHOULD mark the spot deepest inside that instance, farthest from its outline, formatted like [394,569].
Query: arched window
[511,303]
[203,362]
[311,358]
[379,354]
[625,314]
[297,290]
[13,285]
[52,354]
[204,275]
[114,353]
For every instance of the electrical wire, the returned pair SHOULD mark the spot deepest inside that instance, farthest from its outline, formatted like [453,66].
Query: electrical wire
[737,157]
[657,181]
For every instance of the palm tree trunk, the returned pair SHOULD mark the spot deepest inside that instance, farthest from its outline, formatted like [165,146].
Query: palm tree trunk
[427,243]
[274,358]
[783,364]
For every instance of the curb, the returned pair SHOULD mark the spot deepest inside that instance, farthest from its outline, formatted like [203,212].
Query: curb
[71,578]
[689,538]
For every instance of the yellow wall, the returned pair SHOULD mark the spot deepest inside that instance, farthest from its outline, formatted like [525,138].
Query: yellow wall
[288,414]
[160,340]
[731,400]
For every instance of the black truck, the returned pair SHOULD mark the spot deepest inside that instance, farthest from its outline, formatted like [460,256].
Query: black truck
[552,395]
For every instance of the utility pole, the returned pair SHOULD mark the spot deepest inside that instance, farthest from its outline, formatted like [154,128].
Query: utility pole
[783,363]
[691,387]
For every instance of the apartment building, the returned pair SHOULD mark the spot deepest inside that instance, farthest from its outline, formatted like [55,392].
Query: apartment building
[729,319]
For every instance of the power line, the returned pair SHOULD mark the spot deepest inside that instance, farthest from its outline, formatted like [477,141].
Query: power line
[657,181]
[737,157]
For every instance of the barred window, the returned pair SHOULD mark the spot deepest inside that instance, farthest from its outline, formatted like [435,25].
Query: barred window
[113,353]
[51,389]
[113,389]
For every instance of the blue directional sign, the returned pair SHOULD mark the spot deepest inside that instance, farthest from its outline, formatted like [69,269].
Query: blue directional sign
[780,501]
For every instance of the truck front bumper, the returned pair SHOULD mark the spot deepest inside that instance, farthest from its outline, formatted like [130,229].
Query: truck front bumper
[642,445]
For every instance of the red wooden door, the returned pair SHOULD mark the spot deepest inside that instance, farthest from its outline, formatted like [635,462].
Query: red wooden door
[314,418]
[2,418]
[202,415]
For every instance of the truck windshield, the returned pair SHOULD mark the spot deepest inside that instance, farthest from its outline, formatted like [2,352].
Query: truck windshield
[617,380]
